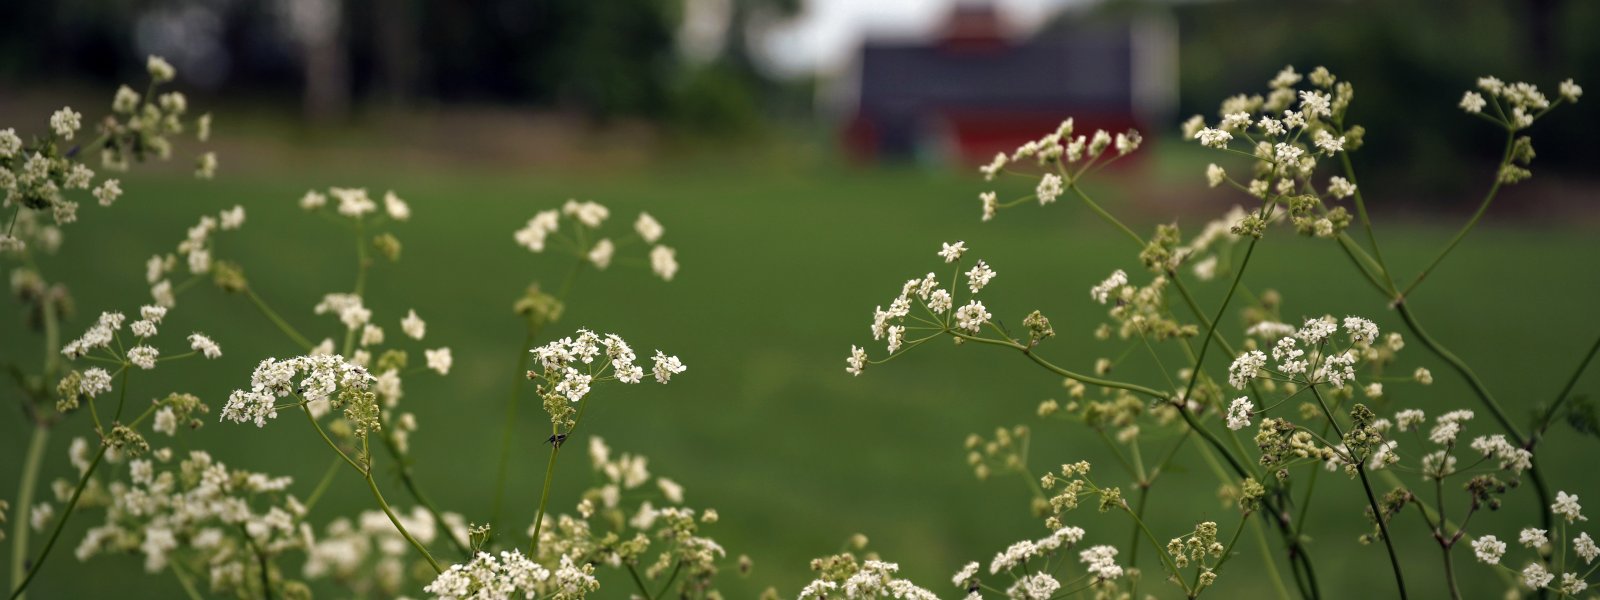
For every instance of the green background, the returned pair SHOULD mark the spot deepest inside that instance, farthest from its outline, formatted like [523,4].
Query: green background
[783,259]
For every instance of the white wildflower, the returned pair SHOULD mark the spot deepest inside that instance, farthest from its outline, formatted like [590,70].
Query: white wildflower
[1489,549]
[1567,506]
[439,360]
[972,316]
[1239,413]
[413,325]
[664,262]
[648,228]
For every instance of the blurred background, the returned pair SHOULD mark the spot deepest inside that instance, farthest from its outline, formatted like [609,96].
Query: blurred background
[805,156]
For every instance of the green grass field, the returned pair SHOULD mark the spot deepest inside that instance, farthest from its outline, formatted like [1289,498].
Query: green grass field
[781,267]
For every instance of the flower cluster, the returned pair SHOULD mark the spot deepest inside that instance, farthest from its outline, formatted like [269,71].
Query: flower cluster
[1057,152]
[319,381]
[632,519]
[588,217]
[568,368]
[937,312]
[368,555]
[1285,132]
[37,174]
[196,251]
[197,515]
[356,203]
[105,336]
[1489,549]
[841,576]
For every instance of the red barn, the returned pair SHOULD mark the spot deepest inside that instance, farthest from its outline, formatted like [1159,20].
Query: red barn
[972,90]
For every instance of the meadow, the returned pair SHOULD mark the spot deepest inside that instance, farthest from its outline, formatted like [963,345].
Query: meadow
[782,262]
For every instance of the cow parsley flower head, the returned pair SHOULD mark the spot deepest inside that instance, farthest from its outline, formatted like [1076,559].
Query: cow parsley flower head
[1102,293]
[1246,368]
[952,252]
[666,366]
[600,255]
[1536,576]
[1489,549]
[648,228]
[413,325]
[1012,556]
[1585,547]
[1049,188]
[569,367]
[487,577]
[66,122]
[1101,562]
[1214,138]
[440,360]
[1340,187]
[314,378]
[856,361]
[990,203]
[1566,505]
[1573,584]
[204,345]
[1570,91]
[1215,175]
[979,276]
[1533,538]
[160,70]
[962,577]
[590,214]
[532,236]
[1239,413]
[1315,331]
[664,262]
[143,357]
[972,316]
[1315,104]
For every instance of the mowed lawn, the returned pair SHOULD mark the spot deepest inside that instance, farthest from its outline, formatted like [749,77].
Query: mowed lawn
[781,268]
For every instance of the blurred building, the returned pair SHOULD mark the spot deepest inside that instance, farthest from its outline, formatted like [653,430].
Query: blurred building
[972,89]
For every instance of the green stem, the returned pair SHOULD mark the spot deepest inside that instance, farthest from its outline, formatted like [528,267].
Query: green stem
[1205,342]
[61,523]
[1366,223]
[273,316]
[362,262]
[322,486]
[378,495]
[1107,216]
[1272,565]
[1166,561]
[544,498]
[410,481]
[261,561]
[72,504]
[30,478]
[1476,216]
[335,447]
[670,578]
[1561,398]
[1372,500]
[1383,529]
[188,584]
[1450,574]
[1063,372]
[366,473]
[1138,513]
[634,573]
[1487,399]
[508,426]
[1227,553]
